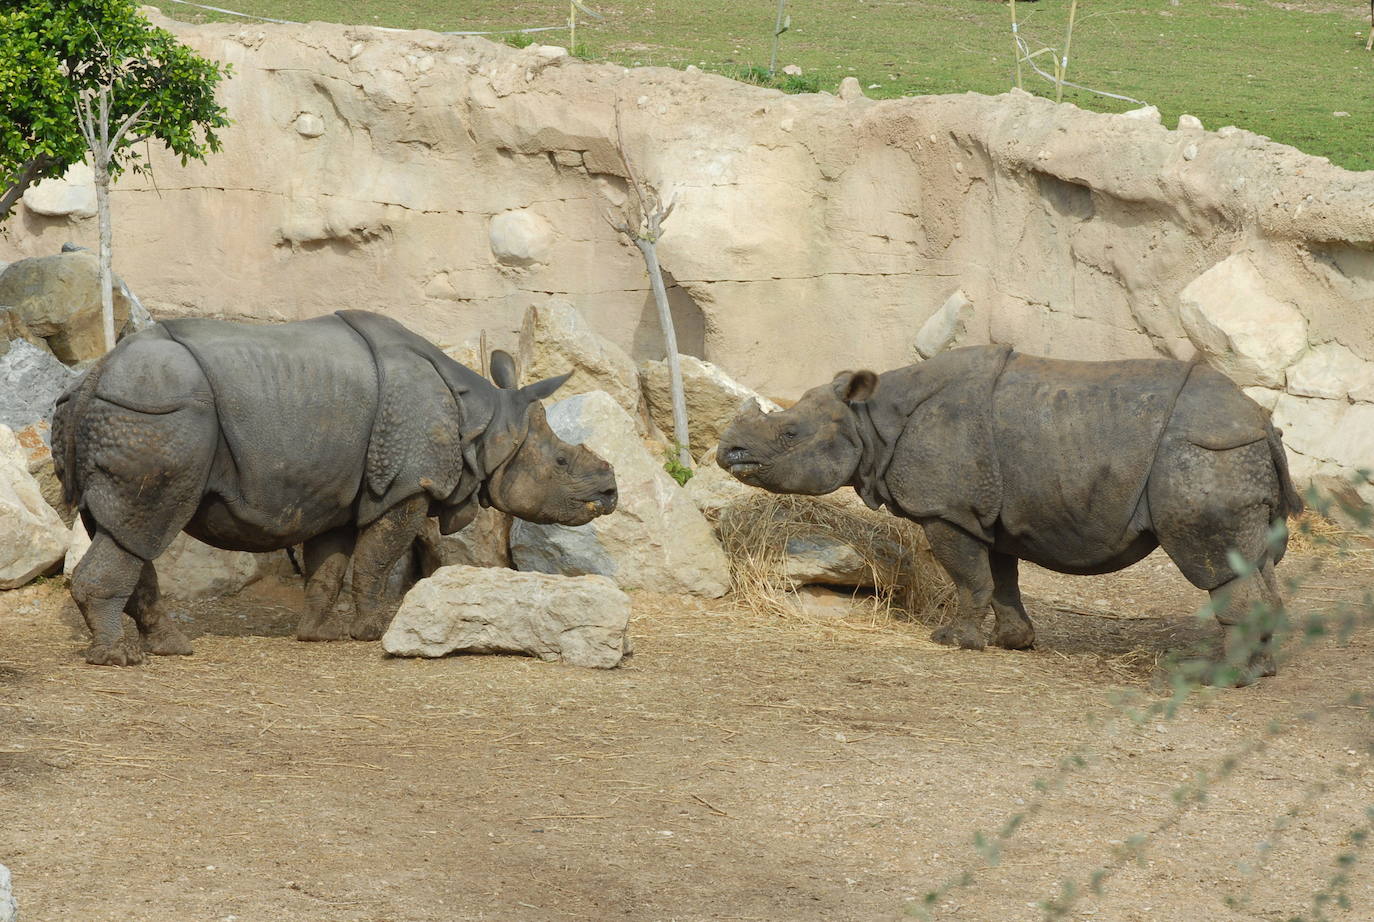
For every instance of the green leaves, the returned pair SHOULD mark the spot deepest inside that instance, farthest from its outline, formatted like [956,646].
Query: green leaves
[52,52]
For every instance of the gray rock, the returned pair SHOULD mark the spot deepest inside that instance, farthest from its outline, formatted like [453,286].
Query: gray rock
[9,906]
[582,620]
[821,559]
[31,380]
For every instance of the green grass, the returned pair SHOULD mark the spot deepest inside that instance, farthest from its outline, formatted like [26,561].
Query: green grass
[1281,69]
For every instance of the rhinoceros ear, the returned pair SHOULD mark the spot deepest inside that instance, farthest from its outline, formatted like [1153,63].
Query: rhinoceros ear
[503,370]
[541,389]
[855,386]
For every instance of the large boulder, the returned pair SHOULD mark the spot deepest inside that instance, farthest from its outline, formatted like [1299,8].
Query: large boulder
[582,621]
[191,569]
[656,539]
[1334,372]
[31,380]
[13,327]
[70,195]
[1245,332]
[59,299]
[554,339]
[33,538]
[712,397]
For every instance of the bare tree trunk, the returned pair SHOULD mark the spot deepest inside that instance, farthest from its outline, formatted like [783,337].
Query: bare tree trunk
[102,201]
[649,248]
[27,177]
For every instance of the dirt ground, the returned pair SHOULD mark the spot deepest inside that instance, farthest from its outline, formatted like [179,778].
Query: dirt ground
[732,769]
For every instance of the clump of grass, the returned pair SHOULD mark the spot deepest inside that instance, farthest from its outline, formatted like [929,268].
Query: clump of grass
[907,582]
[788,83]
[518,39]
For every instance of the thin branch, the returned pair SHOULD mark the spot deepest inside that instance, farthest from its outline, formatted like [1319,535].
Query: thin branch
[124,128]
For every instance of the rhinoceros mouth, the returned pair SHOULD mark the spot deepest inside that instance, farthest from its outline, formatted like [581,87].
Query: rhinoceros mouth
[742,469]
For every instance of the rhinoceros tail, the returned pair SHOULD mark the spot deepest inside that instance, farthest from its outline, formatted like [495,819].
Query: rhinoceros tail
[1291,503]
[66,419]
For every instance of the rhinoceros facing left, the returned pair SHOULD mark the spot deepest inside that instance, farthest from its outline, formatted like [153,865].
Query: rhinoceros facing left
[343,433]
[1080,467]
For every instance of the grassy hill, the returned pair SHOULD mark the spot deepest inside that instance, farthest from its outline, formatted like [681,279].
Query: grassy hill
[1296,71]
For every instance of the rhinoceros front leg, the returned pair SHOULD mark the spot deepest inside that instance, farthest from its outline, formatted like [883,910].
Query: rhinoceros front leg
[1014,630]
[380,545]
[101,585]
[326,561]
[965,559]
[161,637]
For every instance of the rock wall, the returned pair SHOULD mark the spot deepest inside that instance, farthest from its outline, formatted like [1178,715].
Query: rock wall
[451,182]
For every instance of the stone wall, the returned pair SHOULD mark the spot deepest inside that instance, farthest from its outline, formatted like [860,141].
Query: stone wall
[451,182]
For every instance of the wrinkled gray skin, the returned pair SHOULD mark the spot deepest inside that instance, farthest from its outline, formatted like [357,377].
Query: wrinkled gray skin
[1080,467]
[342,433]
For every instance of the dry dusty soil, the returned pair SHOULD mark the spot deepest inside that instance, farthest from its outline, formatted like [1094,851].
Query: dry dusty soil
[734,768]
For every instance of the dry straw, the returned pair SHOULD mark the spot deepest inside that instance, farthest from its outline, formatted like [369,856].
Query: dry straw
[906,582]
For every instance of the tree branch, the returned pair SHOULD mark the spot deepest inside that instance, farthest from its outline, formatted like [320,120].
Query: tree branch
[32,171]
[128,123]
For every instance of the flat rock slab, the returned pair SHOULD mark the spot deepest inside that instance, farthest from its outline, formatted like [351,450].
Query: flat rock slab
[581,620]
[33,537]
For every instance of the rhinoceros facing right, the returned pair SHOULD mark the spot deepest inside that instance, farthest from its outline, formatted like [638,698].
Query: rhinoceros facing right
[1080,467]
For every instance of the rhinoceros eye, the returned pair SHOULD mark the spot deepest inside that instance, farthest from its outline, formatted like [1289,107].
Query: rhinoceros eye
[561,460]
[789,434]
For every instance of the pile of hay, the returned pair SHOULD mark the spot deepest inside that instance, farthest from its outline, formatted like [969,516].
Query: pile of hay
[906,581]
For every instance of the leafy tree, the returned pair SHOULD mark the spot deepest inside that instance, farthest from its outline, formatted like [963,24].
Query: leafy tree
[94,76]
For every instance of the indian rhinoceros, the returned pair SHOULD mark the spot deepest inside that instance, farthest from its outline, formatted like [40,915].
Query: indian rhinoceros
[1080,467]
[342,433]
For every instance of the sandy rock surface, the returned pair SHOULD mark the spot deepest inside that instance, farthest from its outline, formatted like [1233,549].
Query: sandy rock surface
[32,535]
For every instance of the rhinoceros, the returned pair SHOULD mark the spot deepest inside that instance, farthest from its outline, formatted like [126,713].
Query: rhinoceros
[1080,467]
[342,433]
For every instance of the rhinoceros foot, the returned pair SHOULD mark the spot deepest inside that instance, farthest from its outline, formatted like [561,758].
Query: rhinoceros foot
[167,640]
[113,655]
[961,634]
[1018,636]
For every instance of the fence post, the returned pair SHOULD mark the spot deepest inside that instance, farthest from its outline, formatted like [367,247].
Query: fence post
[1063,67]
[1016,42]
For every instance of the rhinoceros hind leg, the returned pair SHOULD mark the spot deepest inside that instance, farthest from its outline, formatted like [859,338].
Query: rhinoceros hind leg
[1249,610]
[161,637]
[965,559]
[1013,630]
[1205,505]
[326,561]
[101,585]
[380,545]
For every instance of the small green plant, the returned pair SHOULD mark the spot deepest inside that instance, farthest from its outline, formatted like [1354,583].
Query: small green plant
[518,39]
[788,83]
[674,466]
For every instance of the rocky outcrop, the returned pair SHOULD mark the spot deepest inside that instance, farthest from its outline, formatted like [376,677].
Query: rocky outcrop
[32,536]
[451,182]
[58,298]
[712,396]
[656,539]
[582,621]
[554,339]
[483,542]
[31,380]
